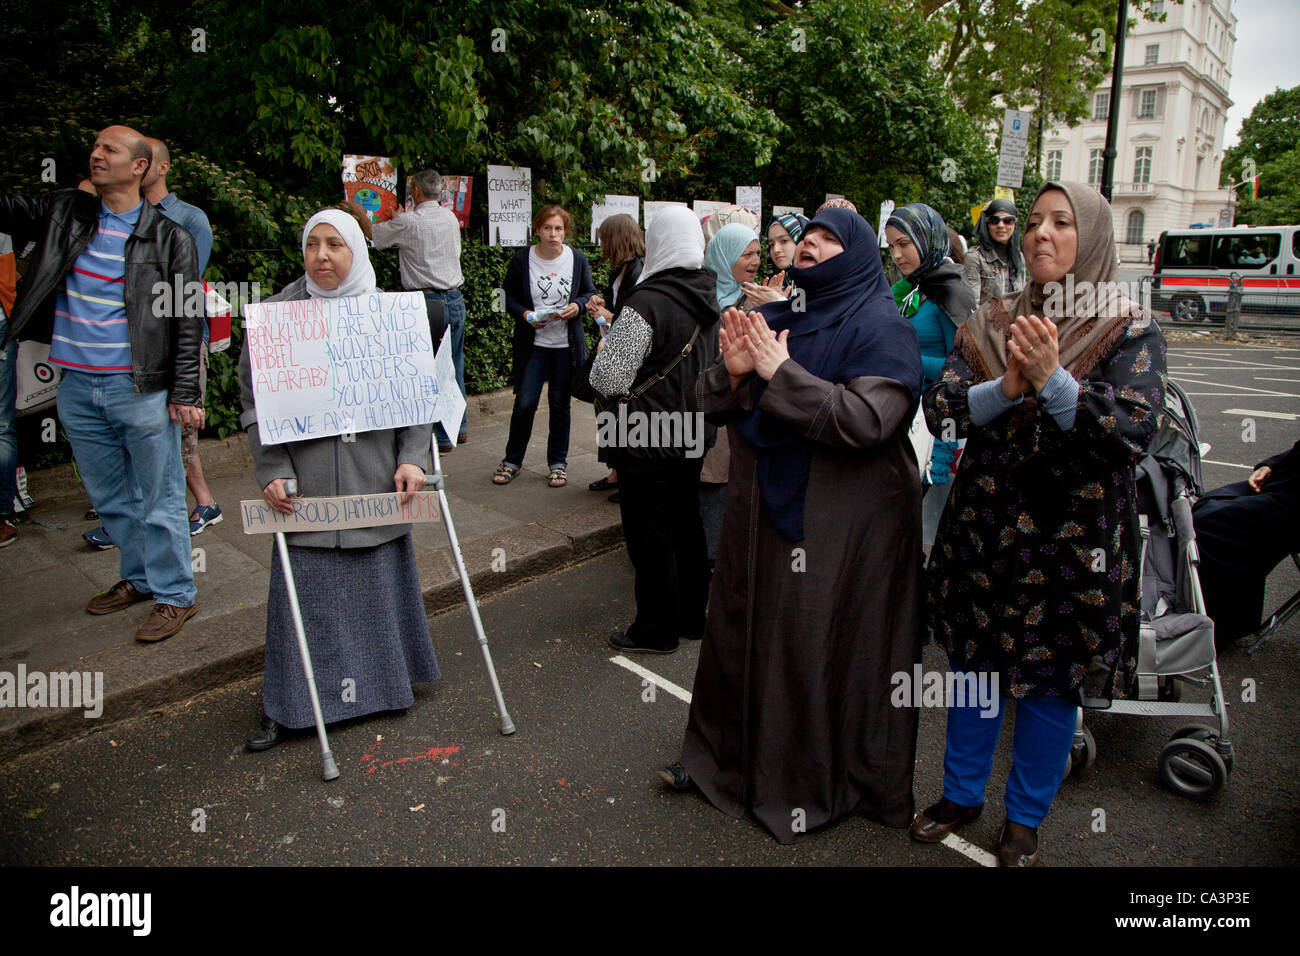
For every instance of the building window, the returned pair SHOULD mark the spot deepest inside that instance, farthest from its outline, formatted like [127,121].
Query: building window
[1136,226]
[1054,160]
[1147,105]
[1153,54]
[1158,8]
[1101,105]
[1094,167]
[1142,165]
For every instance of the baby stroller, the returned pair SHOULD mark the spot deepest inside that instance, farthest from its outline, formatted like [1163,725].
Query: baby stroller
[1176,638]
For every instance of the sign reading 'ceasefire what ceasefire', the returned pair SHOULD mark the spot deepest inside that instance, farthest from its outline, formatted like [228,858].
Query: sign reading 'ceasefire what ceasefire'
[324,367]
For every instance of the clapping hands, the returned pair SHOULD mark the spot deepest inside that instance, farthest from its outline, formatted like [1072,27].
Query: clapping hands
[1033,354]
[748,345]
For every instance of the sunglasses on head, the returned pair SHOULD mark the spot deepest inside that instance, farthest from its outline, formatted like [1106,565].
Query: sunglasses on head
[1002,220]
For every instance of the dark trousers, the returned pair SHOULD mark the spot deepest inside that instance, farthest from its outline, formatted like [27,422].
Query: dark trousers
[665,540]
[544,365]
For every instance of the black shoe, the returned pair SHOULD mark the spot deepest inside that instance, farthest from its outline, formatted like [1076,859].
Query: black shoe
[620,641]
[266,736]
[675,776]
[616,497]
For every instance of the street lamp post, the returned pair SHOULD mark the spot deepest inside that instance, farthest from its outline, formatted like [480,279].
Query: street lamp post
[1112,122]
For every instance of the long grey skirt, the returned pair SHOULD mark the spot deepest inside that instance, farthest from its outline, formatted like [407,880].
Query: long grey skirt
[363,613]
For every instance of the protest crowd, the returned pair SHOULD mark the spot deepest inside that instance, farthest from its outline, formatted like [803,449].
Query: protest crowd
[778,506]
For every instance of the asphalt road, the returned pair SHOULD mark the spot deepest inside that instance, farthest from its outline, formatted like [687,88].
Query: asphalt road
[576,784]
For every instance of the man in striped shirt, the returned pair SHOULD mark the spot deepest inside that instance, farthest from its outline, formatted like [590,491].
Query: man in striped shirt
[130,366]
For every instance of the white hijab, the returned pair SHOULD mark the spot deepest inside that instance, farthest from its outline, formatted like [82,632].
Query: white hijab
[674,240]
[361,277]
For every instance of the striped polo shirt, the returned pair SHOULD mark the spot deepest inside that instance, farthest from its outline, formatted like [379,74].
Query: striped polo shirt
[90,330]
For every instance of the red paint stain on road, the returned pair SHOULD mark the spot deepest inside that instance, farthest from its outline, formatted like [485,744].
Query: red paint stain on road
[433,753]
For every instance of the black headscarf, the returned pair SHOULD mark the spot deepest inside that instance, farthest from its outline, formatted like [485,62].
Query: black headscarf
[1009,251]
[847,327]
[940,279]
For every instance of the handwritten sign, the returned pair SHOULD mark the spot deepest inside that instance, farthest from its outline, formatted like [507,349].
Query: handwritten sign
[371,181]
[325,367]
[455,195]
[451,403]
[340,513]
[778,210]
[510,205]
[751,197]
[652,209]
[613,206]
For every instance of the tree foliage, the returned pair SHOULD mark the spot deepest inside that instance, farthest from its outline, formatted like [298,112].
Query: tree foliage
[1269,145]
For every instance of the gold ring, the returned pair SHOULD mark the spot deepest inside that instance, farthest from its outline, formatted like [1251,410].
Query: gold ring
[1029,351]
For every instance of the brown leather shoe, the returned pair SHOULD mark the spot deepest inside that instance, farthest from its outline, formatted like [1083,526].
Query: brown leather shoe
[117,598]
[1010,856]
[926,830]
[164,621]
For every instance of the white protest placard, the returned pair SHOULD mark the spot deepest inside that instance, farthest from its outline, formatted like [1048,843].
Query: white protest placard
[325,367]
[750,197]
[339,513]
[780,210]
[704,208]
[510,205]
[451,403]
[652,209]
[613,206]
[1015,146]
[886,210]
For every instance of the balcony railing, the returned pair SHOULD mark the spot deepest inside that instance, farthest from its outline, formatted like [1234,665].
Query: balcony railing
[1132,189]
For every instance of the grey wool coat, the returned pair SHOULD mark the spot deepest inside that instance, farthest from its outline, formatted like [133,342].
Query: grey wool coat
[330,466]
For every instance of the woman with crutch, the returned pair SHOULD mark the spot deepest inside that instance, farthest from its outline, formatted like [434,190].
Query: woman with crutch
[360,596]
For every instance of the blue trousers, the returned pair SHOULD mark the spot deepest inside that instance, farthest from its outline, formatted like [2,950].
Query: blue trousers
[8,434]
[128,454]
[454,310]
[544,366]
[1043,735]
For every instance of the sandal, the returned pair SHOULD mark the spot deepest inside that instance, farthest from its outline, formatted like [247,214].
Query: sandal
[557,478]
[504,474]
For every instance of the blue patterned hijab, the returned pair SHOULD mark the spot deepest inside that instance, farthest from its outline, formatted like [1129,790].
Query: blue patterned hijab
[848,327]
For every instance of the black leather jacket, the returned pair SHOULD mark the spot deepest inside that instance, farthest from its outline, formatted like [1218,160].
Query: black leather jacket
[164,351]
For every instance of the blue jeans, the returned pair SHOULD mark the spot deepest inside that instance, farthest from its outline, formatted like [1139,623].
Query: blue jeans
[8,435]
[1044,733]
[544,365]
[454,310]
[129,457]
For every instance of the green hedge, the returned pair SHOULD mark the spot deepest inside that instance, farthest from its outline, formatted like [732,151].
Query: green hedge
[487,332]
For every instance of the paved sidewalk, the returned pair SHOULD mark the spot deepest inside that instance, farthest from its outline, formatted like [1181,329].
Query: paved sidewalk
[50,572]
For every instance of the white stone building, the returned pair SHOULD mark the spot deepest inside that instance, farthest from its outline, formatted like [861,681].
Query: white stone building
[1173,114]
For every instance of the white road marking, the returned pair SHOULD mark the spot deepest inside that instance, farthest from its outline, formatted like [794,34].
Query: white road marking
[1263,378]
[1284,416]
[952,841]
[678,692]
[1264,392]
[1230,464]
[969,850]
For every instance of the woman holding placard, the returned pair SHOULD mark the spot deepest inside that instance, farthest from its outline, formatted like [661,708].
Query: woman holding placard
[359,591]
[547,287]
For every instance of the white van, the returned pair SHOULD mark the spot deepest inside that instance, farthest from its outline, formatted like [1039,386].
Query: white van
[1193,266]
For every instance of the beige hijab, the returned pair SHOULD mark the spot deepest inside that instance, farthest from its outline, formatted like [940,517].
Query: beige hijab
[1088,325]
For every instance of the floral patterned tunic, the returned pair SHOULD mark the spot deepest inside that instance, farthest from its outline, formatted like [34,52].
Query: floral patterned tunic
[1034,573]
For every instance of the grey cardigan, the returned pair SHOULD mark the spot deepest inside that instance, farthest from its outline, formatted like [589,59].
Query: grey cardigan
[331,466]
[989,276]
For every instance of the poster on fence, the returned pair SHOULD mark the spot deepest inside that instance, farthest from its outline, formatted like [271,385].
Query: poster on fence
[751,198]
[455,195]
[324,367]
[704,208]
[652,209]
[510,205]
[613,206]
[372,182]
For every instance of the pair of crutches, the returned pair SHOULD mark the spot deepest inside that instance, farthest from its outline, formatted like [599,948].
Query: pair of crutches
[329,768]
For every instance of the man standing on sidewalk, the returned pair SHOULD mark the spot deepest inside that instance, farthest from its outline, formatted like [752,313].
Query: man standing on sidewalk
[130,378]
[428,250]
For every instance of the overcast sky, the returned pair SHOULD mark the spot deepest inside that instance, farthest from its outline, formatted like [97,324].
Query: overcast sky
[1265,57]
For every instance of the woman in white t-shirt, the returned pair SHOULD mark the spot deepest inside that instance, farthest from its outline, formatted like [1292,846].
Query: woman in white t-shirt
[547,287]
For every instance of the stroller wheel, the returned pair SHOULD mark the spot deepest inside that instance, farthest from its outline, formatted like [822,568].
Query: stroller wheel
[1207,736]
[1083,754]
[1192,768]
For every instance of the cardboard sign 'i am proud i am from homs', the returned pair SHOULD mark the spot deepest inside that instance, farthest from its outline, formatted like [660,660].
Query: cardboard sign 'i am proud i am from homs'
[324,367]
